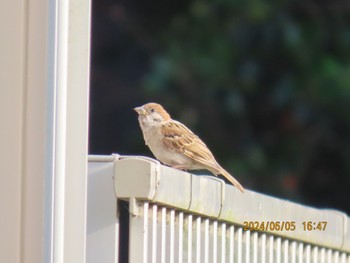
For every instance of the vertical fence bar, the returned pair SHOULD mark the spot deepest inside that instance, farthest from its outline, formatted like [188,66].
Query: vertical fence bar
[329,256]
[239,245]
[301,252]
[343,257]
[336,257]
[263,248]
[232,243]
[189,239]
[145,231]
[286,251]
[315,254]
[206,240]
[154,233]
[247,246]
[223,243]
[278,249]
[172,236]
[294,252]
[181,240]
[163,244]
[323,255]
[255,247]
[271,246]
[308,254]
[215,241]
[198,239]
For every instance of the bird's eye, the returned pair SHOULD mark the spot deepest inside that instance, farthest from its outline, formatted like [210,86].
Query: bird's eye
[152,110]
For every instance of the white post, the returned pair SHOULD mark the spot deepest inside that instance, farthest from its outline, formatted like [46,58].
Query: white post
[69,82]
[44,76]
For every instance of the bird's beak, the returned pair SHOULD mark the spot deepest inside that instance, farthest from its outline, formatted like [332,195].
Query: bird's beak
[140,110]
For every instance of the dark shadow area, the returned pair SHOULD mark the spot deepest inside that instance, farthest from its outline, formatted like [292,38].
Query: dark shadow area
[124,231]
[265,84]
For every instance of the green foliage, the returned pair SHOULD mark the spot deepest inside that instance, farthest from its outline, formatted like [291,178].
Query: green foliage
[266,84]
[270,81]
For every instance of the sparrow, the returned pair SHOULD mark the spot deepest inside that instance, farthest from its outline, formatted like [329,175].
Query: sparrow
[175,145]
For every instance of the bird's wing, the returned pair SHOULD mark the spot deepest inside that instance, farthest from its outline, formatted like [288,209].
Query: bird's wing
[182,140]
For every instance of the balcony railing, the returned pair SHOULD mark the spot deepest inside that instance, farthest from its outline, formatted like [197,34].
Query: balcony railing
[142,211]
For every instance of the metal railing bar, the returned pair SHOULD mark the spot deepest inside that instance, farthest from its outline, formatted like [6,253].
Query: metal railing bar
[163,233]
[172,235]
[278,249]
[189,238]
[308,253]
[232,243]
[206,240]
[329,256]
[343,257]
[145,232]
[301,252]
[255,247]
[215,241]
[323,255]
[315,253]
[247,246]
[294,252]
[263,248]
[198,239]
[154,233]
[285,251]
[223,243]
[181,230]
[239,245]
[271,248]
[336,256]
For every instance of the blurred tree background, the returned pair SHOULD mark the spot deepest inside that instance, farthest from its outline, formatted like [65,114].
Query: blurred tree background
[266,84]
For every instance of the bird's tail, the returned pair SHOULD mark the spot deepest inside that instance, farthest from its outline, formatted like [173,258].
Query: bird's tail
[229,177]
